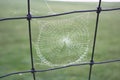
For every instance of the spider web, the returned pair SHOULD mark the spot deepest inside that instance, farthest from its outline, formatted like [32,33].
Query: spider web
[62,40]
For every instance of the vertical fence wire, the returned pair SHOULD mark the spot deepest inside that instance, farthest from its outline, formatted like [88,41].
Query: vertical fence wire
[94,41]
[30,40]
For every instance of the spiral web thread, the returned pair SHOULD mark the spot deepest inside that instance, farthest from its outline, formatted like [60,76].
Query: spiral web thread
[71,29]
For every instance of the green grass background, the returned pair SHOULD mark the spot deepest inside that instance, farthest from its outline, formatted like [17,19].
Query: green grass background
[14,44]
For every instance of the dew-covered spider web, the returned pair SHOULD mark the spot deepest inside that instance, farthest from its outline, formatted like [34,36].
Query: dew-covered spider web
[62,41]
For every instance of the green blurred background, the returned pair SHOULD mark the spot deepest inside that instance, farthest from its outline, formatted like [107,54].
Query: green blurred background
[14,40]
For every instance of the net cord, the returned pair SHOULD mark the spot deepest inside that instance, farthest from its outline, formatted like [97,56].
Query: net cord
[30,40]
[56,68]
[59,14]
[94,41]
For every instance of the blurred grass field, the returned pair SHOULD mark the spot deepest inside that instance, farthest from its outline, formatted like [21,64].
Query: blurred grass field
[14,40]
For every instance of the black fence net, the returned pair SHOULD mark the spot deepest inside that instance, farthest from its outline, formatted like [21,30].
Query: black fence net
[29,16]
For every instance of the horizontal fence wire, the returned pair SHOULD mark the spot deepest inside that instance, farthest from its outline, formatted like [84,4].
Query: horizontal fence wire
[29,17]
[60,14]
[62,67]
